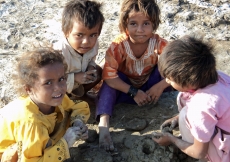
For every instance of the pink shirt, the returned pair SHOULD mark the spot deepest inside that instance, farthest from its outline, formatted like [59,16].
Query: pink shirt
[208,107]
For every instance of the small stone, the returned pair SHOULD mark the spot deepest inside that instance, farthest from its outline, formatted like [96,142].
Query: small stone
[148,147]
[182,156]
[128,143]
[170,155]
[173,149]
[92,136]
[136,124]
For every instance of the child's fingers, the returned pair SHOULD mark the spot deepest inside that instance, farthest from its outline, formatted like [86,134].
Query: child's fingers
[90,72]
[173,124]
[72,134]
[155,99]
[78,122]
[142,98]
[149,99]
[10,154]
[89,78]
[84,135]
[142,102]
[84,129]
[165,124]
[156,135]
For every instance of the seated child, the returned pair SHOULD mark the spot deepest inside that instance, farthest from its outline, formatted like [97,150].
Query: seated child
[189,66]
[43,123]
[82,22]
[130,72]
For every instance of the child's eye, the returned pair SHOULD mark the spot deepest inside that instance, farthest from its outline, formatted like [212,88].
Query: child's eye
[62,79]
[132,24]
[78,35]
[147,23]
[94,35]
[48,83]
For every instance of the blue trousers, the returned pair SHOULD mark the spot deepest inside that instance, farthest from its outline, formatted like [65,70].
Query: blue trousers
[108,97]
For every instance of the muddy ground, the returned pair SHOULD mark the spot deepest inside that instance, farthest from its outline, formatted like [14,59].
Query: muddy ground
[31,21]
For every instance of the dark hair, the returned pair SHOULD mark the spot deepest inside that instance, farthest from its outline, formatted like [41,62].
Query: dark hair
[189,62]
[85,11]
[27,65]
[148,7]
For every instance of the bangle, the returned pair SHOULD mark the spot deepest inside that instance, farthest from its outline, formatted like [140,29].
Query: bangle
[132,91]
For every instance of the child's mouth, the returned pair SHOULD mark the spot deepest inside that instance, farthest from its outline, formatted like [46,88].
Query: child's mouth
[140,36]
[57,96]
[85,48]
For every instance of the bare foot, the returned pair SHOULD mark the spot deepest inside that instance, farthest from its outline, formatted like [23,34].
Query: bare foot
[105,140]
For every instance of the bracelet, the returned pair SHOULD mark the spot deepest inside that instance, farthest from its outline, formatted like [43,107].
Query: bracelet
[132,91]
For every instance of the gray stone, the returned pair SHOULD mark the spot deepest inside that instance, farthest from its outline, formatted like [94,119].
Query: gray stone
[136,124]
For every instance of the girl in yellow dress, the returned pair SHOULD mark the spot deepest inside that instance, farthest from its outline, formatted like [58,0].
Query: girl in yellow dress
[43,123]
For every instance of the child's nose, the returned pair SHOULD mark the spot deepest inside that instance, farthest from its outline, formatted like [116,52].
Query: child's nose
[139,28]
[85,40]
[57,86]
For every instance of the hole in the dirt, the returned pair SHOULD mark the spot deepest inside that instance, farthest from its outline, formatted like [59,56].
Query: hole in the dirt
[146,149]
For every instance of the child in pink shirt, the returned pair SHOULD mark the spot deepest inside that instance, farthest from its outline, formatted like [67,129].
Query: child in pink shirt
[204,100]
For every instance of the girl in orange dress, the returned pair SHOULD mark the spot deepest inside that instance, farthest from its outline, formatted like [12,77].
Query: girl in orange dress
[130,72]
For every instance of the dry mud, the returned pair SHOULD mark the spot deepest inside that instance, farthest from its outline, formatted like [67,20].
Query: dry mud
[31,21]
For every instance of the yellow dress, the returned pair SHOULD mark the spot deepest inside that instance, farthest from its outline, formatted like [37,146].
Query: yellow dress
[22,123]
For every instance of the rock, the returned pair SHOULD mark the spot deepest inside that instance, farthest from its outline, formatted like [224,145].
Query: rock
[173,149]
[136,124]
[92,136]
[96,155]
[182,156]
[128,143]
[26,21]
[148,147]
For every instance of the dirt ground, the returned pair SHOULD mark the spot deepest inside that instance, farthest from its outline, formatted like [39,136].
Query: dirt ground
[30,21]
[131,127]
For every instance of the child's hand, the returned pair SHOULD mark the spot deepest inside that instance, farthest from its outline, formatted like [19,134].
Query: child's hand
[10,154]
[72,135]
[86,77]
[162,139]
[142,98]
[90,67]
[155,92]
[171,123]
[84,128]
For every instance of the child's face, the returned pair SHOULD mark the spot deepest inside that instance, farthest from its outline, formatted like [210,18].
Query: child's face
[180,88]
[50,87]
[139,27]
[81,38]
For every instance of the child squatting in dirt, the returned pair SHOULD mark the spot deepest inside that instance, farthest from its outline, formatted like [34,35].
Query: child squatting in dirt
[130,72]
[189,66]
[82,22]
[43,123]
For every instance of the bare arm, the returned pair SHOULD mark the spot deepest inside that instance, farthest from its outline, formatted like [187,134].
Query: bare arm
[196,150]
[164,84]
[118,84]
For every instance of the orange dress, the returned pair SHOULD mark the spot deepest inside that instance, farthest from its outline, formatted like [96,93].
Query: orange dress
[120,57]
